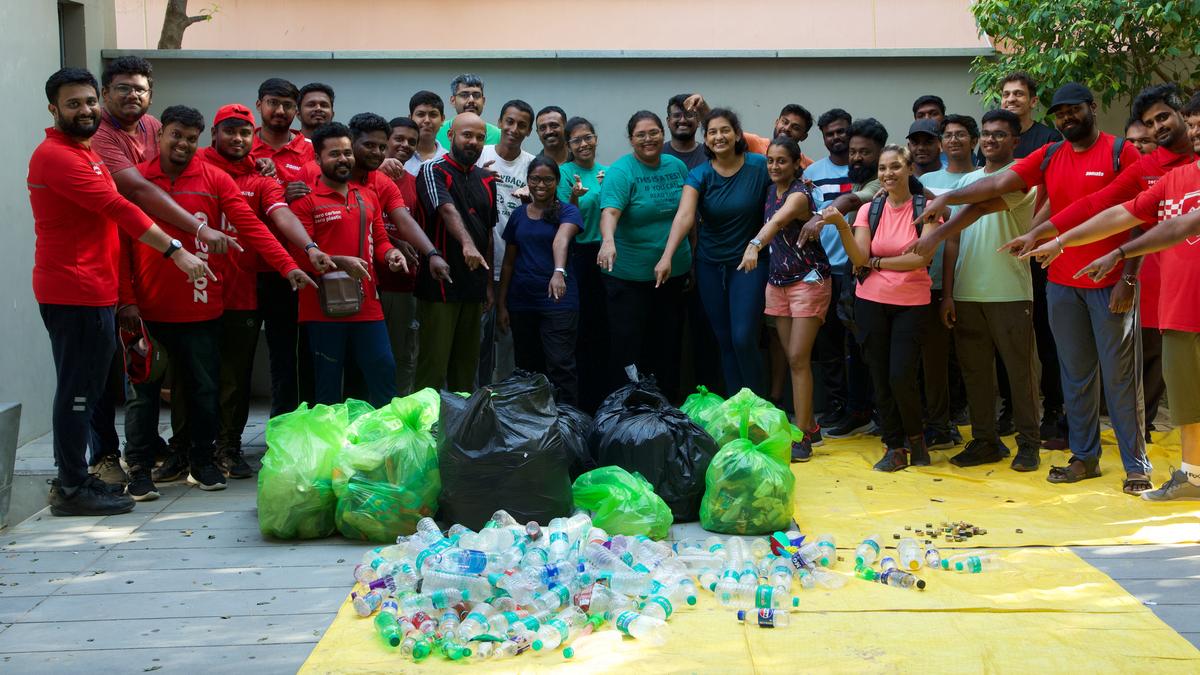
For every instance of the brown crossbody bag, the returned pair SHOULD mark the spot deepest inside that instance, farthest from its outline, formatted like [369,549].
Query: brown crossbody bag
[342,295]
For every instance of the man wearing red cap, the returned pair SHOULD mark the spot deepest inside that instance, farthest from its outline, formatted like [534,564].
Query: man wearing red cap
[232,138]
[185,319]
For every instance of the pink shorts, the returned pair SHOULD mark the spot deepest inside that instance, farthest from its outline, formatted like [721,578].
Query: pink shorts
[799,300]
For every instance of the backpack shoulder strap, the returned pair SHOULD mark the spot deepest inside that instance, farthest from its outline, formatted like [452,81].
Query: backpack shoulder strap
[876,212]
[918,208]
[1054,147]
[1118,146]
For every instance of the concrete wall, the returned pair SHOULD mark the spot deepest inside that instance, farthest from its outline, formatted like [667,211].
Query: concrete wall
[558,24]
[605,90]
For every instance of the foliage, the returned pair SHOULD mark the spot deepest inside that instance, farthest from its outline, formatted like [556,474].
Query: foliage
[1115,47]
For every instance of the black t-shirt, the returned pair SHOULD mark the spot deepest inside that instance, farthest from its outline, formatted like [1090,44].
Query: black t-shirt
[1035,137]
[691,159]
[472,191]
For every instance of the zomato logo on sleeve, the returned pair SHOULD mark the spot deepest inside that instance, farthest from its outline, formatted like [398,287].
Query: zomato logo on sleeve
[200,286]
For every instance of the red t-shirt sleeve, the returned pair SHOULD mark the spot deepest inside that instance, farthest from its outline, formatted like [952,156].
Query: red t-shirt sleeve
[302,209]
[1029,168]
[1124,187]
[379,238]
[250,229]
[389,195]
[1144,206]
[78,182]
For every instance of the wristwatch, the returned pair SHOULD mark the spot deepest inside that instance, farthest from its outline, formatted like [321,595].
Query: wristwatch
[561,271]
[432,252]
[174,246]
[756,242]
[310,246]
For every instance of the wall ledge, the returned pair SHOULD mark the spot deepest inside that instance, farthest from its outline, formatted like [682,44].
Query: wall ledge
[240,54]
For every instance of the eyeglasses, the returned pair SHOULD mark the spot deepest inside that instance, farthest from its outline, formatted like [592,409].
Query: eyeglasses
[647,135]
[955,136]
[682,116]
[469,95]
[994,135]
[580,140]
[127,89]
[541,180]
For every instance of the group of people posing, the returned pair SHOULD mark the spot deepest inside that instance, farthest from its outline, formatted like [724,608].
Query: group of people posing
[980,271]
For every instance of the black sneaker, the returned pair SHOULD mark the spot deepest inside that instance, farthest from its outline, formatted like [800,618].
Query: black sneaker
[802,450]
[960,417]
[1028,458]
[852,424]
[233,464]
[173,468]
[942,440]
[109,470]
[141,487]
[893,460]
[832,418]
[92,498]
[207,477]
[814,437]
[978,452]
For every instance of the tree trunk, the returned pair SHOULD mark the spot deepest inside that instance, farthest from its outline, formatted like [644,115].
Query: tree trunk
[175,22]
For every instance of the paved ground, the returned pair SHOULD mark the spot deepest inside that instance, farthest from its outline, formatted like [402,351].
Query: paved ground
[187,583]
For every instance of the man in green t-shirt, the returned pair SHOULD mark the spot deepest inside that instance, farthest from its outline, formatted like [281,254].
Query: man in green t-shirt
[466,95]
[988,301]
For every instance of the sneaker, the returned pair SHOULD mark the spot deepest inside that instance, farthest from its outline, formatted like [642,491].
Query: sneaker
[207,477]
[173,468]
[92,498]
[233,464]
[1005,425]
[109,470]
[814,437]
[978,452]
[852,424]
[1177,488]
[942,440]
[960,417]
[832,418]
[1028,458]
[802,450]
[893,459]
[918,453]
[141,487]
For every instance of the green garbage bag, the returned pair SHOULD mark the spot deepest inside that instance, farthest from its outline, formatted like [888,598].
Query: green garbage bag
[622,502]
[749,487]
[386,478]
[700,405]
[295,490]
[760,417]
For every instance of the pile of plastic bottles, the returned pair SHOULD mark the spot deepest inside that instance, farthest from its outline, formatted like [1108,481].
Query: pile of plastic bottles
[513,587]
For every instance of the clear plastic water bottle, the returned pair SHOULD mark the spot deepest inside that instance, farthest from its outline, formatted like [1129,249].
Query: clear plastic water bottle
[974,564]
[645,628]
[764,618]
[416,646]
[826,542]
[557,630]
[366,603]
[901,579]
[552,599]
[887,562]
[910,553]
[933,558]
[476,622]
[437,580]
[448,597]
[867,552]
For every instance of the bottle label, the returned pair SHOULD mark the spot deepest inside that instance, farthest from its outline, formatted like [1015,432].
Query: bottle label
[563,593]
[479,619]
[873,544]
[762,596]
[766,618]
[662,602]
[433,550]
[624,619]
[560,626]
[511,617]
[558,536]
[583,599]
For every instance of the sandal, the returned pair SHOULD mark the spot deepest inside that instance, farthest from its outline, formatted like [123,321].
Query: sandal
[1074,472]
[1136,484]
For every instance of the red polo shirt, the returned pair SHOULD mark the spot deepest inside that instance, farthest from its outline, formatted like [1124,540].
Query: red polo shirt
[153,282]
[1172,196]
[289,160]
[1071,176]
[121,150]
[264,195]
[333,222]
[76,212]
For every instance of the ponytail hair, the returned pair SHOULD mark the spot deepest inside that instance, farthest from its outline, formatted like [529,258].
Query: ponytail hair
[551,215]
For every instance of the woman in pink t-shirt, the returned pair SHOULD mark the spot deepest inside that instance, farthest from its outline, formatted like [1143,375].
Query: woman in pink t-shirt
[892,298]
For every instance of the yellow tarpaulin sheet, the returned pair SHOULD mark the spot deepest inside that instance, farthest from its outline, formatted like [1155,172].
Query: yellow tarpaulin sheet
[837,492]
[1046,610]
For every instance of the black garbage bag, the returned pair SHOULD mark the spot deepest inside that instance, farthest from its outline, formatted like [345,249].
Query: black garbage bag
[637,429]
[575,427]
[502,449]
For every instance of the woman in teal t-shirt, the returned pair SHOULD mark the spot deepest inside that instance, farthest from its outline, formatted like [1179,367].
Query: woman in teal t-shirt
[638,201]
[580,185]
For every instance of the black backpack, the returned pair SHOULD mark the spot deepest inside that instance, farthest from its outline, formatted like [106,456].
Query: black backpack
[876,211]
[845,303]
[1118,146]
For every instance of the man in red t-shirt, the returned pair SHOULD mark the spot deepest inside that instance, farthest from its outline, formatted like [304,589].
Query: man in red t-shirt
[1175,201]
[185,319]
[278,103]
[232,137]
[1093,326]
[76,213]
[346,221]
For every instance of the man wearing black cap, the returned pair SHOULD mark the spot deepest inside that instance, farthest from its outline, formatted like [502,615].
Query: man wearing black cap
[924,142]
[1091,320]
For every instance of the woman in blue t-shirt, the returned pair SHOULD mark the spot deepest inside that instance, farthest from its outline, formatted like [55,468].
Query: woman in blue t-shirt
[798,287]
[727,193]
[538,301]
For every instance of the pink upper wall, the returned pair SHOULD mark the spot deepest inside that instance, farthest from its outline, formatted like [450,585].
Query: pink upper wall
[559,24]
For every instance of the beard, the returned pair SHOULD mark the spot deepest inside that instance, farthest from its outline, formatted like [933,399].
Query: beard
[1080,131]
[685,136]
[860,173]
[339,173]
[465,156]
[77,130]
